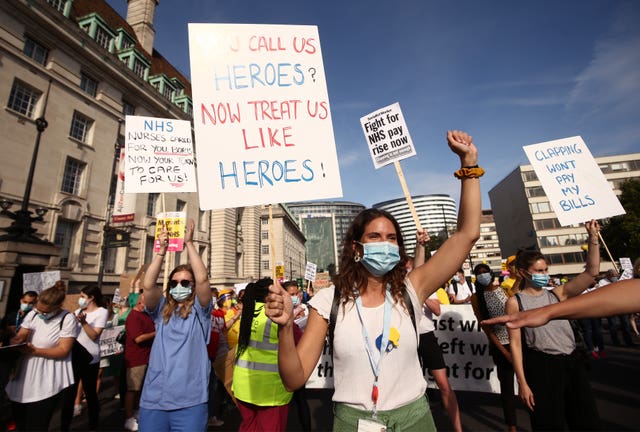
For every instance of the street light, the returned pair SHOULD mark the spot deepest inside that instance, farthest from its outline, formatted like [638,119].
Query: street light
[20,229]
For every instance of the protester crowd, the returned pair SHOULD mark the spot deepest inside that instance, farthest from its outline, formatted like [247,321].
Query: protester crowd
[193,351]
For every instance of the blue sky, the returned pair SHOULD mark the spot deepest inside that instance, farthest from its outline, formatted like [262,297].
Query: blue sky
[509,73]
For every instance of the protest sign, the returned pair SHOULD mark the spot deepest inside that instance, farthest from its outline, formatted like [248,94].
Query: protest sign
[261,115]
[310,272]
[175,223]
[125,204]
[387,135]
[39,281]
[627,269]
[108,344]
[573,182]
[158,155]
[464,346]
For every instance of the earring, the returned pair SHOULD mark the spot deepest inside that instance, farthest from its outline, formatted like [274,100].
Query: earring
[357,258]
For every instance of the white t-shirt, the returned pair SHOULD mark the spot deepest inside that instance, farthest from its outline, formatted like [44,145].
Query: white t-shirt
[401,380]
[464,290]
[40,378]
[96,319]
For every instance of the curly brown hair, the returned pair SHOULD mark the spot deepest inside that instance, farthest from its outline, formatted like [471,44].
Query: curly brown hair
[172,306]
[353,274]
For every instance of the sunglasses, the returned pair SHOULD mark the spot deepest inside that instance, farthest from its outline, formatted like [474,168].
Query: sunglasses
[174,283]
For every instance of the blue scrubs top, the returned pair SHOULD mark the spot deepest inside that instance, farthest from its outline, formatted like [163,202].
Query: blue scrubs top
[178,372]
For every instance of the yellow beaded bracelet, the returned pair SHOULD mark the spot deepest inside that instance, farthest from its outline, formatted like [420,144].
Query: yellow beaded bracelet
[469,172]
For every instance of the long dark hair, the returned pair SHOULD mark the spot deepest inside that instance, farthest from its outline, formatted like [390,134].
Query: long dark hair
[353,274]
[254,292]
[482,302]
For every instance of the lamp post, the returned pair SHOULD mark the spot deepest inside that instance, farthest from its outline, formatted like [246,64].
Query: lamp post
[20,229]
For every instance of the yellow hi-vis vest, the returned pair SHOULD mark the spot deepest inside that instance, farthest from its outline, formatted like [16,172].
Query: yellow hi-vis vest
[256,379]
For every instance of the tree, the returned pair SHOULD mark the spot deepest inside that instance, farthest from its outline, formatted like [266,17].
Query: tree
[622,233]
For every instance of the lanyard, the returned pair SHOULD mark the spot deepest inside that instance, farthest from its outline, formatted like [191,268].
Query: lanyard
[370,347]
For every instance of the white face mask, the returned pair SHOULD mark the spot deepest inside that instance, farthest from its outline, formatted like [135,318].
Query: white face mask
[83,302]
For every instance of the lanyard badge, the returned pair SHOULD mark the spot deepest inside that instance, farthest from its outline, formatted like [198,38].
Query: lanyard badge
[375,356]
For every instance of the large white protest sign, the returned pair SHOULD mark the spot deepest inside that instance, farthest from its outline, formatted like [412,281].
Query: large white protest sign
[573,182]
[158,155]
[464,346]
[39,281]
[261,115]
[387,135]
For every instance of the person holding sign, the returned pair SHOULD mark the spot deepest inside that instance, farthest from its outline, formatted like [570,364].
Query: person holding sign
[175,391]
[552,376]
[378,379]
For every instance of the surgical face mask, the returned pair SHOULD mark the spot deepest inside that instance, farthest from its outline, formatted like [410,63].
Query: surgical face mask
[26,307]
[47,316]
[539,280]
[456,278]
[613,279]
[380,257]
[295,300]
[83,302]
[483,279]
[180,293]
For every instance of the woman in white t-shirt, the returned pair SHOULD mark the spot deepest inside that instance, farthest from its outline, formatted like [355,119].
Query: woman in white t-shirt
[86,362]
[46,371]
[378,380]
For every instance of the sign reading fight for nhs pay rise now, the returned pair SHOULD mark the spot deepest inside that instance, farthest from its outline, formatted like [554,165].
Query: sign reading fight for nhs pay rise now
[573,181]
[261,115]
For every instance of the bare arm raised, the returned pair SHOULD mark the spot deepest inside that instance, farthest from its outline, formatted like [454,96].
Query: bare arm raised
[427,278]
[203,291]
[152,292]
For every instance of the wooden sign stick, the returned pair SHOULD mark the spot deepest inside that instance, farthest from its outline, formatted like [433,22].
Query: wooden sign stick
[407,195]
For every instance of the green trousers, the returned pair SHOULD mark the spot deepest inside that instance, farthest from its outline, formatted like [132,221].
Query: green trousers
[415,416]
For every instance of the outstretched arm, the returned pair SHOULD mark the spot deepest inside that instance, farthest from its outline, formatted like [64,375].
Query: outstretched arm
[203,291]
[587,278]
[152,292]
[427,278]
[614,299]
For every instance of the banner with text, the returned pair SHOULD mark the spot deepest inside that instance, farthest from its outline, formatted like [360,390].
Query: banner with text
[39,281]
[464,346]
[261,115]
[108,344]
[124,206]
[572,180]
[175,223]
[310,271]
[159,155]
[387,135]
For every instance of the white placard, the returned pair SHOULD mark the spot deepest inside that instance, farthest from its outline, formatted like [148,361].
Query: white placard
[108,344]
[124,206]
[573,182]
[310,271]
[158,155]
[387,135]
[39,281]
[261,115]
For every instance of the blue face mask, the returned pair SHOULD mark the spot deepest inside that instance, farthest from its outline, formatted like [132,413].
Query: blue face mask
[295,300]
[26,307]
[380,257]
[483,279]
[180,293]
[539,280]
[47,316]
[613,279]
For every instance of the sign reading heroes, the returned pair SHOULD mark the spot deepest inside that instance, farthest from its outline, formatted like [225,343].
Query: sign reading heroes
[261,115]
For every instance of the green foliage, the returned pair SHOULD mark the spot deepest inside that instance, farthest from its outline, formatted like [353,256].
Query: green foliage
[622,233]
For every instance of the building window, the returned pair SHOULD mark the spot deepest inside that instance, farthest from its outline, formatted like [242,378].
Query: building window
[110,260]
[202,220]
[167,92]
[148,249]
[535,191]
[72,178]
[151,204]
[64,239]
[103,38]
[265,235]
[80,126]
[180,205]
[88,85]
[265,250]
[540,207]
[265,265]
[529,176]
[57,4]
[36,51]
[23,98]
[138,68]
[127,108]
